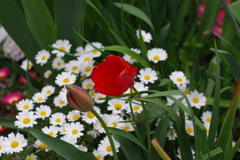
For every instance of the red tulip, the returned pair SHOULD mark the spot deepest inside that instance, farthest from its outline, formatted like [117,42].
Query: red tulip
[114,76]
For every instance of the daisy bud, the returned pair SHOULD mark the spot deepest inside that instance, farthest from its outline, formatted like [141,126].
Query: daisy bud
[79,98]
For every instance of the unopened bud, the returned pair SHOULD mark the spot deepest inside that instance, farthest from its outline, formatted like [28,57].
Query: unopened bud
[79,98]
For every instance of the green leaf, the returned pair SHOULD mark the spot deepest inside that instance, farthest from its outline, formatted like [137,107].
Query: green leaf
[160,150]
[40,22]
[127,135]
[222,102]
[235,7]
[70,16]
[212,153]
[135,11]
[164,82]
[66,150]
[163,34]
[229,149]
[236,147]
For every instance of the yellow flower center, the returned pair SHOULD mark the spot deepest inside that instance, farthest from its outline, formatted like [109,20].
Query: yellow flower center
[126,128]
[118,106]
[75,131]
[40,99]
[95,51]
[189,130]
[115,124]
[88,69]
[109,148]
[195,100]
[26,120]
[29,65]
[147,77]
[89,86]
[171,134]
[179,79]
[43,113]
[66,80]
[14,144]
[143,37]
[187,92]
[58,120]
[84,76]
[62,48]
[86,59]
[30,158]
[48,74]
[131,91]
[74,68]
[105,123]
[90,115]
[43,146]
[0,147]
[208,120]
[156,58]
[61,102]
[98,157]
[132,58]
[51,133]
[43,58]
[26,106]
[100,97]
[49,92]
[207,130]
[75,117]
[135,108]
[59,64]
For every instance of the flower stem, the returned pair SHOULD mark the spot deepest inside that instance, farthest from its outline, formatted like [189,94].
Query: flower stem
[146,121]
[108,134]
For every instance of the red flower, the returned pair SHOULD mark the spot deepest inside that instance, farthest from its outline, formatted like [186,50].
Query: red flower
[114,76]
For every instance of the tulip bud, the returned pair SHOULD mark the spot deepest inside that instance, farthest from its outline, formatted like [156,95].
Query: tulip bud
[79,98]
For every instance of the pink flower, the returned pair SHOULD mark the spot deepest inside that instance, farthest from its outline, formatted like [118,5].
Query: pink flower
[12,98]
[3,73]
[22,79]
[32,74]
[201,8]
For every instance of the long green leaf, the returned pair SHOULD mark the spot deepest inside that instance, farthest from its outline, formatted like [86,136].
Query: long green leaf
[61,147]
[40,22]
[160,150]
[234,7]
[214,152]
[136,12]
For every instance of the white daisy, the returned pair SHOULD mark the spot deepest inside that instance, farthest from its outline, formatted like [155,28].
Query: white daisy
[178,78]
[59,102]
[47,74]
[93,51]
[115,119]
[24,104]
[87,68]
[184,89]
[157,54]
[171,134]
[57,119]
[127,127]
[63,45]
[40,145]
[31,157]
[92,93]
[73,115]
[130,59]
[98,155]
[1,145]
[42,57]
[94,133]
[58,63]
[26,65]
[179,153]
[108,120]
[206,117]
[82,148]
[48,90]
[14,143]
[189,127]
[170,102]
[147,37]
[25,119]
[39,97]
[65,78]
[74,130]
[80,51]
[87,84]
[70,139]
[105,148]
[51,131]
[85,57]
[73,66]
[99,98]
[89,117]
[117,106]
[147,75]
[139,87]
[207,126]
[136,107]
[196,99]
[43,111]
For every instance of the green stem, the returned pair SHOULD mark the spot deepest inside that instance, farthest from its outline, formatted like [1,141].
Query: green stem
[146,121]
[108,134]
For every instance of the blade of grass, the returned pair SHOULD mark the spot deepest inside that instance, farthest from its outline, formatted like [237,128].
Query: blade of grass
[214,152]
[160,150]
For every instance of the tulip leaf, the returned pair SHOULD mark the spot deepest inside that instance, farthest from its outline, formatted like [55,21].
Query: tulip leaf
[129,52]
[136,12]
[66,150]
[164,82]
[160,150]
[212,153]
